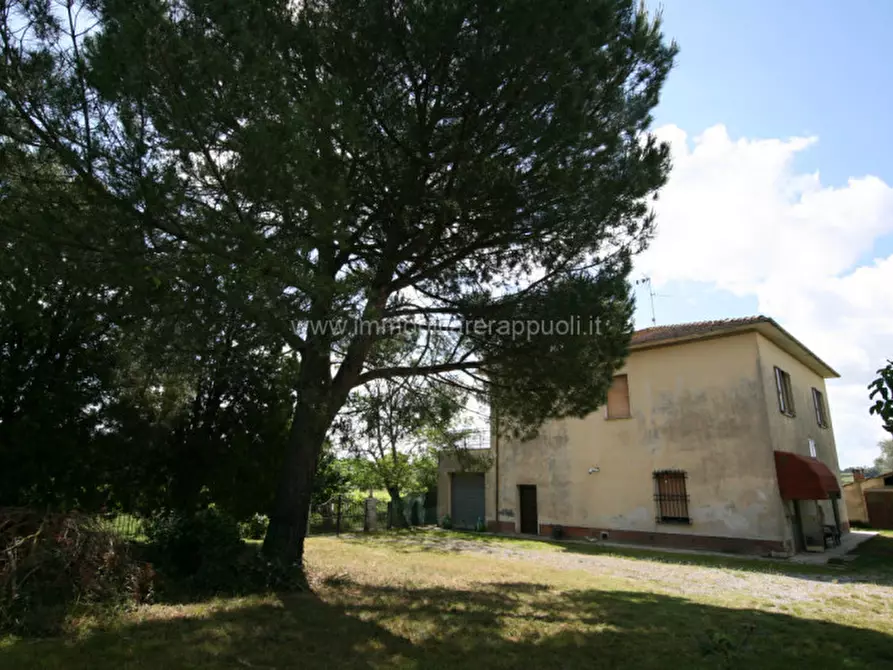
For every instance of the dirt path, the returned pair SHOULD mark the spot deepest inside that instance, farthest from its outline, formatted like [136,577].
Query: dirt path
[679,579]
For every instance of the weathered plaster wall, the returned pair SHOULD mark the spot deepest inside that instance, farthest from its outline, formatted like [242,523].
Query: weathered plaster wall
[855,499]
[698,407]
[855,503]
[793,433]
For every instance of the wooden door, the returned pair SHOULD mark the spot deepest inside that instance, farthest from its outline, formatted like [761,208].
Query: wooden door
[529,516]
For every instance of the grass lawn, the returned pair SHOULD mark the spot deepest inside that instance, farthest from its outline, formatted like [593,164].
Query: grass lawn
[444,600]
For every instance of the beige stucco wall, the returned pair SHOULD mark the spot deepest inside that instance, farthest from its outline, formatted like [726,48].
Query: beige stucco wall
[855,499]
[698,407]
[793,433]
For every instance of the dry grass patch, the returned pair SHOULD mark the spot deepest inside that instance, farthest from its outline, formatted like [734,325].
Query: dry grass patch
[380,604]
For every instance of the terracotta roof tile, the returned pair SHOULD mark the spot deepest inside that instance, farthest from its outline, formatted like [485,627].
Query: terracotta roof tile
[684,332]
[677,330]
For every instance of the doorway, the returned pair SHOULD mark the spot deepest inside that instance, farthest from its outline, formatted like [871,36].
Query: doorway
[529,516]
[797,523]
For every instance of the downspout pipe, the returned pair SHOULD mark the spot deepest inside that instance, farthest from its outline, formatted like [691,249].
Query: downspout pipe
[496,464]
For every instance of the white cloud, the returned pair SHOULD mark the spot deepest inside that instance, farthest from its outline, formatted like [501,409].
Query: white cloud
[737,215]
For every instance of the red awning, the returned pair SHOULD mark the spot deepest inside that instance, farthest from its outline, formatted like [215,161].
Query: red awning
[803,478]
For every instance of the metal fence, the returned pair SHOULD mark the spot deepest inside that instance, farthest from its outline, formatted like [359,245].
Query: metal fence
[341,514]
[125,526]
[345,515]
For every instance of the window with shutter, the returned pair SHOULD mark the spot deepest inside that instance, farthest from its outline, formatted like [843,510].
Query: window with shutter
[785,392]
[821,413]
[618,398]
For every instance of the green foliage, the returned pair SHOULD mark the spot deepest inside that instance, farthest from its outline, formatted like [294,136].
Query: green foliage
[882,394]
[55,564]
[101,407]
[208,425]
[57,356]
[446,522]
[545,376]
[239,174]
[884,462]
[203,554]
[201,550]
[254,528]
[389,429]
[333,477]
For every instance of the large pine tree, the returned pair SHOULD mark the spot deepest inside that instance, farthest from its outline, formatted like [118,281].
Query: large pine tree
[321,163]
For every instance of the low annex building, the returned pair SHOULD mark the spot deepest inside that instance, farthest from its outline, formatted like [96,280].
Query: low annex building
[869,500]
[715,435]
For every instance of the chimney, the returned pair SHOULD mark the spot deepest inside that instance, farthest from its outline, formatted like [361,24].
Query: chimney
[858,475]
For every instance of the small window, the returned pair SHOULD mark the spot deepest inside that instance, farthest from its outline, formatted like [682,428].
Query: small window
[618,398]
[671,497]
[785,393]
[812,451]
[888,481]
[821,413]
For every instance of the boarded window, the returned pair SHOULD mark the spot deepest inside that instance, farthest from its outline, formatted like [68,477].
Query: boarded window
[821,414]
[785,392]
[618,398]
[671,497]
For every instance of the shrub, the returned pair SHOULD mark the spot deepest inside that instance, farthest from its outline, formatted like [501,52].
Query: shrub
[198,550]
[202,554]
[258,574]
[255,528]
[446,522]
[52,562]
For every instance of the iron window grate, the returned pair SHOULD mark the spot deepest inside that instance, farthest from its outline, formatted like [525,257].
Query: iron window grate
[671,496]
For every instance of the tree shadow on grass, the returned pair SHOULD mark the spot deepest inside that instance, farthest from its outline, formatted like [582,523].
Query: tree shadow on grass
[350,625]
[873,562]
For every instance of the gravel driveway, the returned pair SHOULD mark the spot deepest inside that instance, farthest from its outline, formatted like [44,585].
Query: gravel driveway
[680,579]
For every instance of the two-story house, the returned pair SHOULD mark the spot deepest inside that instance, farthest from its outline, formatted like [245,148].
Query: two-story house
[715,435]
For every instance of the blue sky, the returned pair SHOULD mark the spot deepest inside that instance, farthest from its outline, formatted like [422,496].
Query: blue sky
[797,97]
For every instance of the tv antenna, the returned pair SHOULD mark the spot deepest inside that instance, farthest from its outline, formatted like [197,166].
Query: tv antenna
[647,282]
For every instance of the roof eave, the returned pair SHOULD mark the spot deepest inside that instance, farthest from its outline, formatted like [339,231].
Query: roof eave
[770,328]
[767,327]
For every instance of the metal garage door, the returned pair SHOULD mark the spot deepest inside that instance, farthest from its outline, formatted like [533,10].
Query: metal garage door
[467,499]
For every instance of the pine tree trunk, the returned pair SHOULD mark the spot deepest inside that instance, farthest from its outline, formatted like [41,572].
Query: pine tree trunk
[284,541]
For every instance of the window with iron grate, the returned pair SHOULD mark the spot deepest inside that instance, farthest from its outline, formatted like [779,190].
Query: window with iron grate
[671,496]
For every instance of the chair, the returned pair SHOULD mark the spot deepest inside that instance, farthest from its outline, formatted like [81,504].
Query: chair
[832,535]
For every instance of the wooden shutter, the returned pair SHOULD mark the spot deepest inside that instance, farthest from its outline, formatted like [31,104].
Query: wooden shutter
[785,392]
[818,400]
[618,398]
[789,393]
[779,386]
